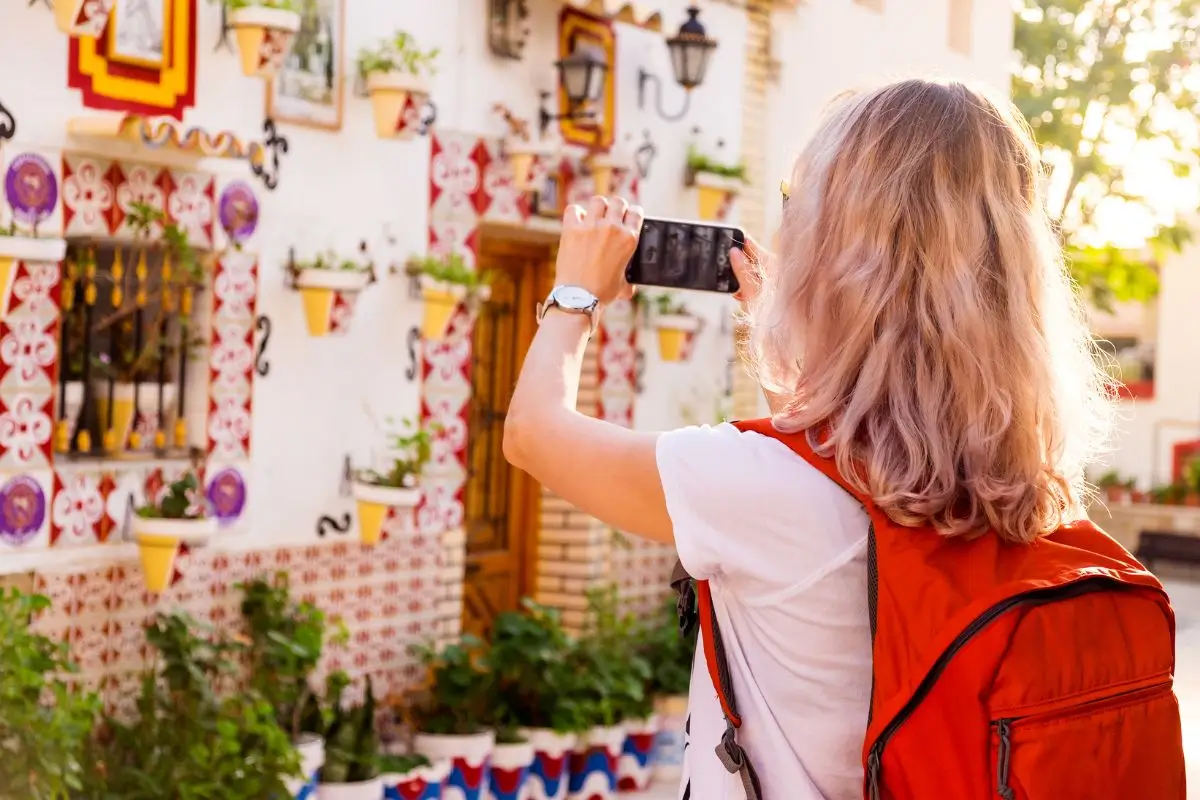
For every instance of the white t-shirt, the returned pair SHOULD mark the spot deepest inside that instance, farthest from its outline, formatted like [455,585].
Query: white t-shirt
[784,550]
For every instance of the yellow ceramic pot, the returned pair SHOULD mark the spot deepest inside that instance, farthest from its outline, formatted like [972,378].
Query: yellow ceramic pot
[318,291]
[441,301]
[390,93]
[264,37]
[674,333]
[127,404]
[521,157]
[714,193]
[158,542]
[374,502]
[602,173]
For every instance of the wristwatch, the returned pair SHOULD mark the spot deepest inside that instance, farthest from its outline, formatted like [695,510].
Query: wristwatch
[573,300]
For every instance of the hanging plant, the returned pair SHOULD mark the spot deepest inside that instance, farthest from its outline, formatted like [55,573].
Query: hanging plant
[717,184]
[320,280]
[179,516]
[397,75]
[397,485]
[676,326]
[265,30]
[445,284]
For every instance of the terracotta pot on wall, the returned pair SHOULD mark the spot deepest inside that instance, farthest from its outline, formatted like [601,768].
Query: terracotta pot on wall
[373,503]
[391,93]
[714,193]
[674,333]
[319,289]
[264,37]
[158,542]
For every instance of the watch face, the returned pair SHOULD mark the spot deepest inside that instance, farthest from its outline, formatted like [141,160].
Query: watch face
[573,297]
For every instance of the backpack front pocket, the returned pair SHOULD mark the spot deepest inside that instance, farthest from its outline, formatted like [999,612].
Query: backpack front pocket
[1124,745]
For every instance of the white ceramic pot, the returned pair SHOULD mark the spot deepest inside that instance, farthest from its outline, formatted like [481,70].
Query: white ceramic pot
[312,755]
[418,782]
[339,280]
[548,774]
[468,756]
[509,768]
[637,753]
[668,743]
[362,790]
[594,764]
[26,248]
[373,504]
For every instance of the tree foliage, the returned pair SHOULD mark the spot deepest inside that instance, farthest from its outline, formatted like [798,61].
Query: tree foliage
[1098,79]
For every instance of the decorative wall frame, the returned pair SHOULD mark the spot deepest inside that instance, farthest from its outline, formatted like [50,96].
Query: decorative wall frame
[309,89]
[596,131]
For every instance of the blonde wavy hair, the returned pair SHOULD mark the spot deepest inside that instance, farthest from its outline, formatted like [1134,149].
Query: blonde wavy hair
[919,316]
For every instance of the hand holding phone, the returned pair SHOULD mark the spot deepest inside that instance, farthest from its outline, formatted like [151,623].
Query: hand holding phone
[675,254]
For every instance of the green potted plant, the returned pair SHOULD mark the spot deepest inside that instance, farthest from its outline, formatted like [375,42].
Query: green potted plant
[446,283]
[397,74]
[675,327]
[717,183]
[286,641]
[396,485]
[669,654]
[265,30]
[320,279]
[1191,480]
[448,714]
[180,515]
[1113,487]
[534,696]
[613,683]
[351,770]
[188,740]
[43,742]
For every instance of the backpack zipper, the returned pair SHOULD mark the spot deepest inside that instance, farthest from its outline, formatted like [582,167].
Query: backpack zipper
[1033,597]
[1003,757]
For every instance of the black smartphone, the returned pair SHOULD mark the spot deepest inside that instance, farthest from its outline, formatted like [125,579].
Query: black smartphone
[675,254]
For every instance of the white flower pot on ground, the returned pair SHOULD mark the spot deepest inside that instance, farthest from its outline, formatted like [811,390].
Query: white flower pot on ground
[668,744]
[319,289]
[264,37]
[508,772]
[675,331]
[468,756]
[158,542]
[418,782]
[393,96]
[548,775]
[374,502]
[27,248]
[714,194]
[312,755]
[361,790]
[634,767]
[594,764]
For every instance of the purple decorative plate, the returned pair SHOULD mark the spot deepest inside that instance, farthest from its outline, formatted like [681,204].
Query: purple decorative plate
[227,494]
[22,510]
[238,211]
[31,188]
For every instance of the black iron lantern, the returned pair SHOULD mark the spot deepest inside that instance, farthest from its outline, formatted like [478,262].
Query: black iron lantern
[690,51]
[582,76]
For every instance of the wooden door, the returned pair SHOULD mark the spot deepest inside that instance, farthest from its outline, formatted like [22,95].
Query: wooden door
[502,503]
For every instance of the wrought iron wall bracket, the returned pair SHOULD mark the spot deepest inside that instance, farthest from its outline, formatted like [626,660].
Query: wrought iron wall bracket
[223,42]
[327,524]
[46,3]
[645,78]
[574,114]
[414,339]
[8,123]
[346,488]
[275,145]
[429,115]
[644,156]
[639,371]
[261,365]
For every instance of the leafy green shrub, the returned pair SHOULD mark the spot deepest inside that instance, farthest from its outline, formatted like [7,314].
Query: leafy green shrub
[697,162]
[398,54]
[452,269]
[668,653]
[412,448]
[455,699]
[613,674]
[351,742]
[182,499]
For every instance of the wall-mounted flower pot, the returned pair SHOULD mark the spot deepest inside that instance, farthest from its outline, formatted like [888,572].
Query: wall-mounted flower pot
[669,741]
[594,764]
[508,771]
[311,748]
[521,157]
[264,37]
[82,17]
[158,542]
[27,248]
[319,289]
[419,783]
[441,301]
[360,790]
[714,194]
[675,332]
[373,504]
[468,757]
[390,94]
[601,166]
[634,768]
[127,405]
[551,756]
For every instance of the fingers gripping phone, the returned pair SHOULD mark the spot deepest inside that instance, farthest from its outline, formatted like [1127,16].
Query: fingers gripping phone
[675,254]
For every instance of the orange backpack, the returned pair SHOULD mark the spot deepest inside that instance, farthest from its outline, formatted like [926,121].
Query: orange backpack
[1039,672]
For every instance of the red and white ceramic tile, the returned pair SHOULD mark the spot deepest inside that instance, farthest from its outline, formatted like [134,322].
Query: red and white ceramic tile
[342,312]
[231,356]
[28,366]
[191,204]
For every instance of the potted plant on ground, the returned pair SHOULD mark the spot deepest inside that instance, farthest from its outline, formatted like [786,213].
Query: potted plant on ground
[43,742]
[265,30]
[187,739]
[447,283]
[1191,479]
[286,641]
[675,326]
[535,694]
[669,654]
[1112,486]
[412,776]
[397,485]
[613,693]
[180,515]
[397,76]
[351,770]
[448,713]
[717,184]
[320,280]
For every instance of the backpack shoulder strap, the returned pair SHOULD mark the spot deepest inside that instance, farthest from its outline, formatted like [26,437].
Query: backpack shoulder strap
[696,606]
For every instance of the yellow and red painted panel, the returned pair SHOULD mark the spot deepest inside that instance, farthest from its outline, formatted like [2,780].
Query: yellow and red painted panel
[574,28]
